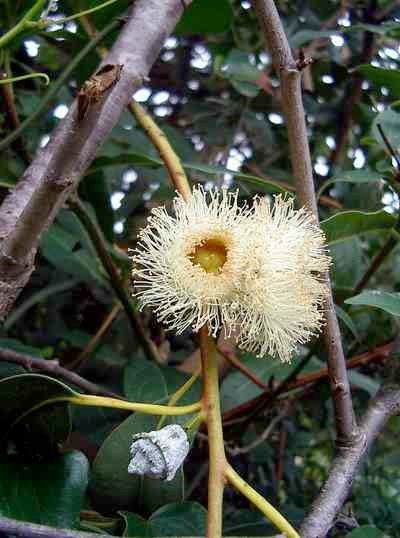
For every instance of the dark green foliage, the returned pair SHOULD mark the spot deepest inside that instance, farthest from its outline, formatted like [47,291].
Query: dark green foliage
[215,95]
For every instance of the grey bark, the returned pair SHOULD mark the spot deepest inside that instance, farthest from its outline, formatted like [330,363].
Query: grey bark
[289,71]
[32,205]
[347,462]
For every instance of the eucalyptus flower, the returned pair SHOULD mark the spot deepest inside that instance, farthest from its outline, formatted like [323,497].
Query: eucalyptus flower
[254,271]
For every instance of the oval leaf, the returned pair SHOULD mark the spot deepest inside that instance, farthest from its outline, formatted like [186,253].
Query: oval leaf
[389,302]
[112,486]
[49,494]
[183,519]
[347,224]
[351,176]
[144,382]
[36,430]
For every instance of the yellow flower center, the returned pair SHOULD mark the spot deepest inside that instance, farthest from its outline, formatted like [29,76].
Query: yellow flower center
[210,255]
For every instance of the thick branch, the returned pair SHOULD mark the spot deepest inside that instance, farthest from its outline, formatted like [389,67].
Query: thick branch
[290,79]
[345,465]
[31,207]
[53,368]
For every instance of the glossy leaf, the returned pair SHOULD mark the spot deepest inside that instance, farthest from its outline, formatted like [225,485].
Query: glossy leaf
[203,18]
[183,519]
[35,430]
[144,382]
[305,36]
[389,302]
[390,78]
[351,176]
[366,531]
[237,388]
[348,224]
[111,485]
[389,120]
[50,493]
[364,382]
[346,319]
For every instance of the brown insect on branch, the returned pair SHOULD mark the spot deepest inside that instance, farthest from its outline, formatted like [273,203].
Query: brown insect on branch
[96,86]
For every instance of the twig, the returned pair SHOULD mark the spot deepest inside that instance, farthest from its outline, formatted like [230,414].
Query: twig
[11,527]
[328,201]
[236,363]
[290,78]
[171,160]
[94,341]
[11,114]
[380,353]
[261,438]
[345,465]
[52,367]
[117,284]
[57,168]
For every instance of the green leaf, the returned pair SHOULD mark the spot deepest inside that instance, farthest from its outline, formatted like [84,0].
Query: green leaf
[57,247]
[144,382]
[177,519]
[384,28]
[390,123]
[389,302]
[112,486]
[237,388]
[38,297]
[257,182]
[305,36]
[344,316]
[96,191]
[363,382]
[351,176]
[390,78]
[247,523]
[241,73]
[366,531]
[348,224]
[49,494]
[203,18]
[35,430]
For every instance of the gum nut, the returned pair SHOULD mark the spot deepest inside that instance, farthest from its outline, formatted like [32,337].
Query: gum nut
[160,453]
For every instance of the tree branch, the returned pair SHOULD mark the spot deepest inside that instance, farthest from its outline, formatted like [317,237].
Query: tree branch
[11,527]
[33,204]
[345,465]
[53,368]
[290,78]
[116,282]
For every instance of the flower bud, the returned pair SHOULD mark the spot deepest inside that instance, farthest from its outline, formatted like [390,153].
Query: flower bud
[160,453]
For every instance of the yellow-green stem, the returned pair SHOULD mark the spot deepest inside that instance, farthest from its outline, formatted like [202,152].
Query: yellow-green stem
[148,409]
[179,393]
[24,77]
[262,504]
[164,148]
[212,410]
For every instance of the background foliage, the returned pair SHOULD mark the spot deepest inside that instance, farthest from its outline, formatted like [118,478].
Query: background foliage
[214,93]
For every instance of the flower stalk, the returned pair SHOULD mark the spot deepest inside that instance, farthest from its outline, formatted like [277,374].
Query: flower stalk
[259,502]
[212,410]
